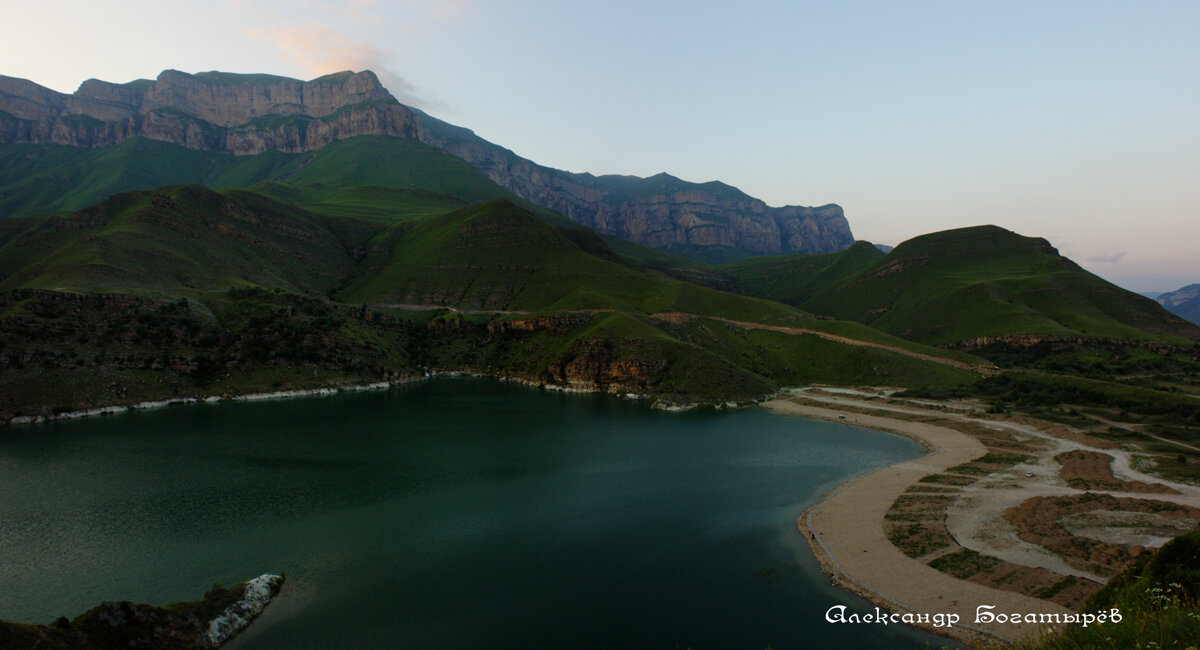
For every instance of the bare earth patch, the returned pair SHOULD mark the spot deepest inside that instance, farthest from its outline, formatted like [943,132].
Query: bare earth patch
[1039,521]
[1092,470]
[1013,516]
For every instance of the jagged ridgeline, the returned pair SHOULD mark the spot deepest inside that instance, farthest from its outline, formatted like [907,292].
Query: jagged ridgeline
[63,152]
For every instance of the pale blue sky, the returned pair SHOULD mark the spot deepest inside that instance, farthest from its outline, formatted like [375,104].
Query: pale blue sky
[1075,121]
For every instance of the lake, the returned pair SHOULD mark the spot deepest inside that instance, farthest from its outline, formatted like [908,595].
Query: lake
[446,513]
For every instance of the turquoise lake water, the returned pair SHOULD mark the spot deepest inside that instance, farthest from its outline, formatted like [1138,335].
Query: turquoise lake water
[443,514]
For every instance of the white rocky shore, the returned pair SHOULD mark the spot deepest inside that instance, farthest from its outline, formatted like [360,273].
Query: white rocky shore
[334,390]
[238,615]
[252,397]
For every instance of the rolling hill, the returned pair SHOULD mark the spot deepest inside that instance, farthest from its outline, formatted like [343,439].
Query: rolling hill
[187,290]
[46,178]
[958,285]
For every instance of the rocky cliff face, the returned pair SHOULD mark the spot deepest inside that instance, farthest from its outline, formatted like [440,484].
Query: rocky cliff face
[238,114]
[251,114]
[712,221]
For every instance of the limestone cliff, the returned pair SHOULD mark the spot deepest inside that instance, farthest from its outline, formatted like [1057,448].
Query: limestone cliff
[213,111]
[246,114]
[711,221]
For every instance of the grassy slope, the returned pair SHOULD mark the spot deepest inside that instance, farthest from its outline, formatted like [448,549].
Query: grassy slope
[795,279]
[40,179]
[596,309]
[495,255]
[181,238]
[960,284]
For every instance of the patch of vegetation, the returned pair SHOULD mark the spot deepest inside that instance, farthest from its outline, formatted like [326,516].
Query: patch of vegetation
[965,564]
[948,479]
[917,539]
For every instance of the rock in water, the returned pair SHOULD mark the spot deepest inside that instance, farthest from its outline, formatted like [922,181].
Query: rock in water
[238,615]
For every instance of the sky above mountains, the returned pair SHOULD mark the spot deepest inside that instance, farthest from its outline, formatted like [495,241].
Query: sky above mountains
[1072,121]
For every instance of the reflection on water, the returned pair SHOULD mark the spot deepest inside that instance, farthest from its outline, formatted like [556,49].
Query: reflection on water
[459,513]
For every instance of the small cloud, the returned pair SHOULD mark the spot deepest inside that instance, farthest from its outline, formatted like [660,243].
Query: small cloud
[319,49]
[1107,259]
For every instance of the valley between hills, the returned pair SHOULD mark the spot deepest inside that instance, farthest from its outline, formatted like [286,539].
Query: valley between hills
[213,236]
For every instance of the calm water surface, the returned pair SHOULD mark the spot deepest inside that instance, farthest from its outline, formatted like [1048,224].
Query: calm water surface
[444,514]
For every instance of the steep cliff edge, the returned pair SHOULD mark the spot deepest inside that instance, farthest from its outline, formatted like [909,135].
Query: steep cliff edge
[711,221]
[247,114]
[210,111]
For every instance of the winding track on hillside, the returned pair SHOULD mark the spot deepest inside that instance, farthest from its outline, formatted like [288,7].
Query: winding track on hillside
[677,317]
[983,369]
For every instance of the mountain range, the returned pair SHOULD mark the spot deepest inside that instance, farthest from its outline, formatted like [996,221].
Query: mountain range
[217,234]
[248,115]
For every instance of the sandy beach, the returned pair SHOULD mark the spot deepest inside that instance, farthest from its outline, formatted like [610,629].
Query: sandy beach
[845,531]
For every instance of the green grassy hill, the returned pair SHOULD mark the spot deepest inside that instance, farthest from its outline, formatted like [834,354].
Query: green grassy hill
[961,284]
[176,239]
[41,179]
[186,290]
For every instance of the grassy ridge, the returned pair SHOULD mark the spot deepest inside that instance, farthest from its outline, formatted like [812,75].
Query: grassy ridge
[275,296]
[40,179]
[183,238]
[961,284]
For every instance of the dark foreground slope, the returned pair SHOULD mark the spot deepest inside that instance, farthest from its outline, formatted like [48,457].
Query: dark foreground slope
[1157,598]
[185,291]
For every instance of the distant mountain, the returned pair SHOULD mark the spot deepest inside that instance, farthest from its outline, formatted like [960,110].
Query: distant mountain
[1184,302]
[960,285]
[262,115]
[712,221]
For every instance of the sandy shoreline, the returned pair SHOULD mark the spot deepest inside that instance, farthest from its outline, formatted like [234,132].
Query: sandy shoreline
[845,532]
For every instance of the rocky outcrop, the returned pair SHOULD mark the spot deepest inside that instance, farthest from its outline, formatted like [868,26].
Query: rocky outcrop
[710,220]
[228,113]
[180,626]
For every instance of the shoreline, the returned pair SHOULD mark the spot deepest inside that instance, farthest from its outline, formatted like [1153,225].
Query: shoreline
[325,391]
[212,399]
[844,531]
